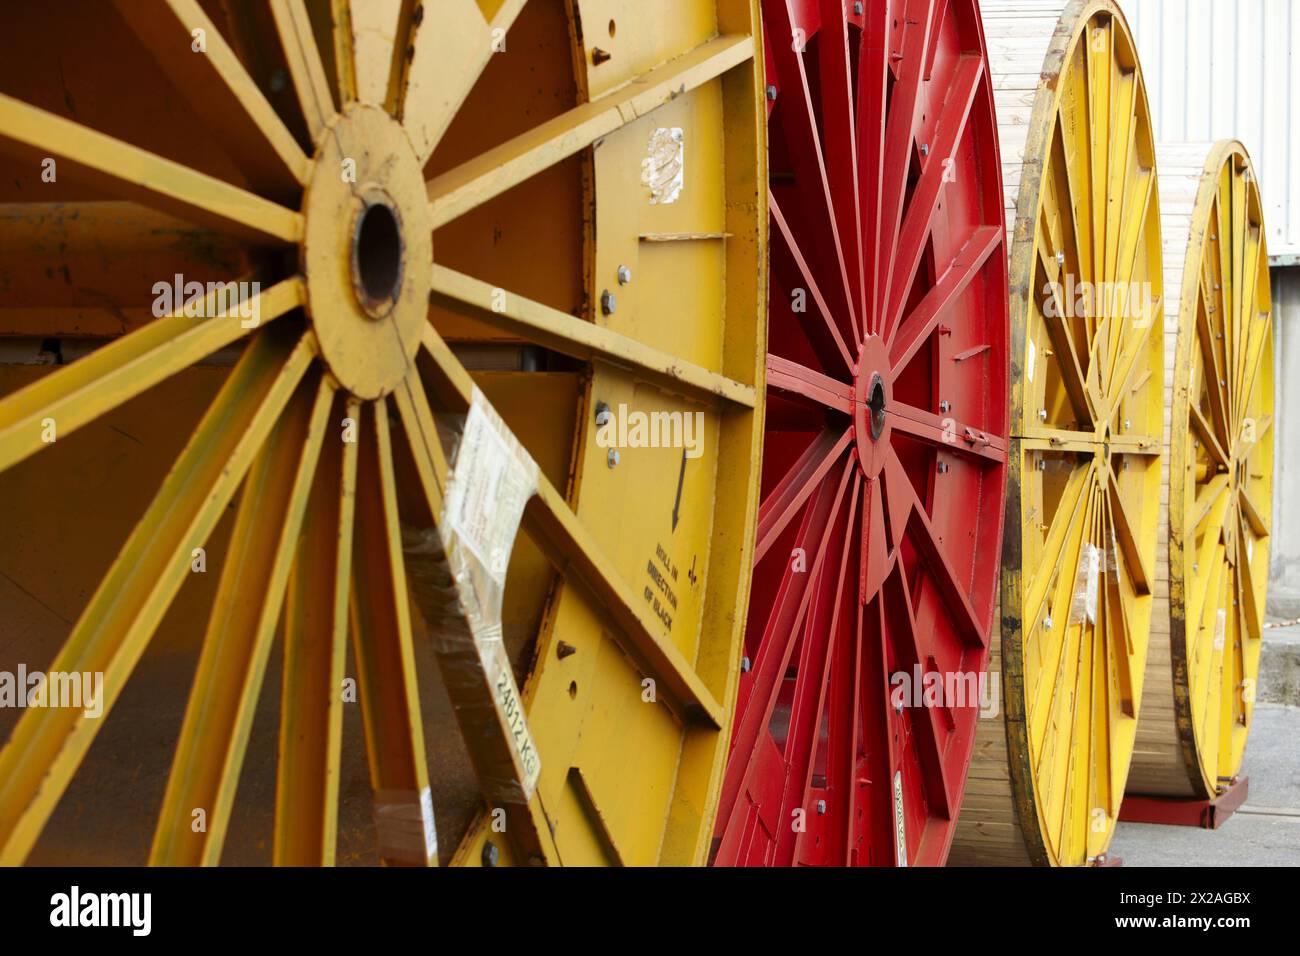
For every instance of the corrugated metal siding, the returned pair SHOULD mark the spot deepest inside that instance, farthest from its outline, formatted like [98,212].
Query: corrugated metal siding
[1218,69]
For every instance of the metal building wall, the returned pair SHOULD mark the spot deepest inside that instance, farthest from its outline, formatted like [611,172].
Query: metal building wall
[1227,68]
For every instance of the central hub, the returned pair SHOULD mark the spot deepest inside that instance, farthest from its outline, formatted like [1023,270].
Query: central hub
[377,257]
[367,250]
[872,391]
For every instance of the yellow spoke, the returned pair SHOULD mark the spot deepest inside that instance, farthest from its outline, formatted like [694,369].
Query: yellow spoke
[1062,528]
[117,372]
[1206,434]
[385,657]
[217,87]
[49,743]
[305,66]
[449,52]
[315,650]
[1206,499]
[471,184]
[245,612]
[136,174]
[572,336]
[1126,539]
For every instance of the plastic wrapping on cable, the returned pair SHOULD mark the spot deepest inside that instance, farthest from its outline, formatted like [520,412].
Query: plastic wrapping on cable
[459,574]
[404,819]
[1083,600]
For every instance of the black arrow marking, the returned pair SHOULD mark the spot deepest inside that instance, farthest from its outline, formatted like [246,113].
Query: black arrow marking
[681,477]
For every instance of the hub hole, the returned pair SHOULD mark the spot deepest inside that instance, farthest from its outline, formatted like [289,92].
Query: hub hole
[377,256]
[876,403]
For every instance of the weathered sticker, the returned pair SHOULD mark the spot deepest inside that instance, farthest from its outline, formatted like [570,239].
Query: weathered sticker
[488,492]
[1033,358]
[664,168]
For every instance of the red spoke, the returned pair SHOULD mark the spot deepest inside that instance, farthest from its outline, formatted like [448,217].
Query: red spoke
[916,651]
[787,376]
[873,72]
[955,594]
[841,144]
[790,266]
[757,693]
[899,133]
[924,319]
[797,485]
[937,170]
[798,119]
[946,433]
[812,679]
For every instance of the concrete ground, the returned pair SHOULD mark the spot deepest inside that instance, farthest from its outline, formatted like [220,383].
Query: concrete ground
[1265,831]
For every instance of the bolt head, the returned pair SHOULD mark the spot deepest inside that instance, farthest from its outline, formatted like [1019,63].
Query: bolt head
[945,406]
[608,303]
[624,275]
[603,415]
[613,458]
[1047,622]
[1128,424]
[771,94]
[857,8]
[925,149]
[821,806]
[1042,464]
[1060,258]
[943,467]
[744,665]
[491,854]
[1042,414]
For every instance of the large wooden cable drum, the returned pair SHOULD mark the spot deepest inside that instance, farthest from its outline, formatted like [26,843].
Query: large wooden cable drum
[1047,778]
[1212,577]
[885,438]
[382,562]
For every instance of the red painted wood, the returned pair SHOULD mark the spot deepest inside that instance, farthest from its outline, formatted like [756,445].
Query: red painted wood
[884,463]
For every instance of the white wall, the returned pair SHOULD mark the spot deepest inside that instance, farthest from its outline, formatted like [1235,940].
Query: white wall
[1224,69]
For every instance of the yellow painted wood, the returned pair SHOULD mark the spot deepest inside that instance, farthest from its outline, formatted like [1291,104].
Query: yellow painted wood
[1083,487]
[47,745]
[204,69]
[457,191]
[1217,481]
[305,64]
[219,718]
[315,646]
[133,173]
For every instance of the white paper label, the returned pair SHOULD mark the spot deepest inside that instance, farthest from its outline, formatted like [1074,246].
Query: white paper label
[900,831]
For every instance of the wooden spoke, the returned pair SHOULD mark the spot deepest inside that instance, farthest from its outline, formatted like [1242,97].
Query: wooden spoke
[48,744]
[132,173]
[471,184]
[305,65]
[382,647]
[569,335]
[215,84]
[447,55]
[797,486]
[315,652]
[219,717]
[791,377]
